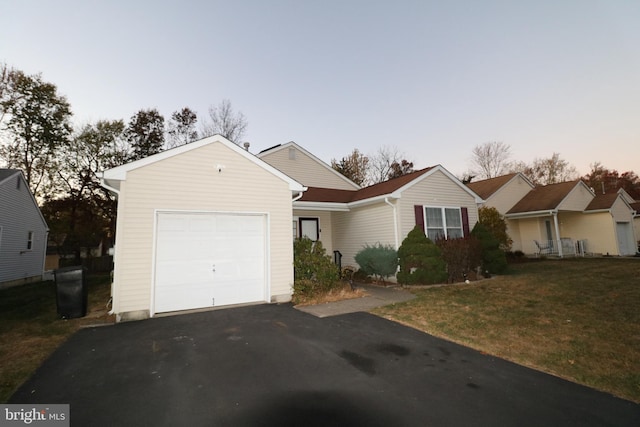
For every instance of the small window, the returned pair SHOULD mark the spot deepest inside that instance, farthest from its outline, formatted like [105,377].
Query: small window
[309,228]
[30,241]
[295,229]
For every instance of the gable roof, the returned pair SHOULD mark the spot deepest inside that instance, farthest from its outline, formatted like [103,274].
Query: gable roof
[605,202]
[487,187]
[544,198]
[292,144]
[636,207]
[111,178]
[390,188]
[7,173]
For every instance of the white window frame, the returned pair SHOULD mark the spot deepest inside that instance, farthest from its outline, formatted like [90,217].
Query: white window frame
[30,238]
[445,227]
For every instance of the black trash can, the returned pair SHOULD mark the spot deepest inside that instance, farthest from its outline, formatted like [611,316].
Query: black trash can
[71,292]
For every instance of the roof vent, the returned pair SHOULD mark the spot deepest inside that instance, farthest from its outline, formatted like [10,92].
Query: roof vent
[246,146]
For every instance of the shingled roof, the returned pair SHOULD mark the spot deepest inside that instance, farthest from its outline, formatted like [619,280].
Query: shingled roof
[544,198]
[602,201]
[317,194]
[487,187]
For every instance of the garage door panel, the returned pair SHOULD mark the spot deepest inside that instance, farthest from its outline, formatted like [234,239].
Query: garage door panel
[209,259]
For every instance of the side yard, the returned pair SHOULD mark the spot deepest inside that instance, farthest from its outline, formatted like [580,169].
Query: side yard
[576,318]
[30,329]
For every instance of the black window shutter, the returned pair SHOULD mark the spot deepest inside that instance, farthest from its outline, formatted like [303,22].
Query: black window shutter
[465,221]
[419,211]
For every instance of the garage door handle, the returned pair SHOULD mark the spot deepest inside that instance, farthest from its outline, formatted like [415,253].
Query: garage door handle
[214,268]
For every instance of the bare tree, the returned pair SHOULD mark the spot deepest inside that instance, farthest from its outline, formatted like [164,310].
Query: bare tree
[381,164]
[224,121]
[490,159]
[551,170]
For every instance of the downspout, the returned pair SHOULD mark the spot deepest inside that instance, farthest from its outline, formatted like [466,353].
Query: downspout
[298,197]
[117,193]
[557,227]
[395,220]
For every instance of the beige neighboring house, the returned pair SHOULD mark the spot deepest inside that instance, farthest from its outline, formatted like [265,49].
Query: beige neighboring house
[345,217]
[202,225]
[636,222]
[564,219]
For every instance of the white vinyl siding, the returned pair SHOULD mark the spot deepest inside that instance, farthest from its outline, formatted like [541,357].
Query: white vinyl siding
[435,190]
[362,226]
[510,194]
[191,182]
[19,215]
[305,169]
[577,199]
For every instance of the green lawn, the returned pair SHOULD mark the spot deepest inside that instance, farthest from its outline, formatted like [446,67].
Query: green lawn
[30,329]
[576,318]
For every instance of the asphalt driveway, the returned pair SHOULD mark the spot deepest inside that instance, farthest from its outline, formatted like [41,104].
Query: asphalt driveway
[273,365]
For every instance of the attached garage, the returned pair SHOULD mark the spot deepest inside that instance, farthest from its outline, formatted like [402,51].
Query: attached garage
[207,224]
[206,259]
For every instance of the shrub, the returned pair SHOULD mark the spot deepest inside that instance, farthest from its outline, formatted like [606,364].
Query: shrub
[420,260]
[496,225]
[494,259]
[314,271]
[378,260]
[461,256]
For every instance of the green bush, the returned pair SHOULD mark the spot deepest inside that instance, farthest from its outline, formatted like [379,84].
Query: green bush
[496,225]
[378,260]
[420,260]
[494,259]
[314,271]
[461,256]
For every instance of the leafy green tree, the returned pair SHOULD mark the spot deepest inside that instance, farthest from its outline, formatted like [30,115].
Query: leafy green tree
[496,224]
[145,133]
[494,260]
[35,126]
[420,260]
[181,128]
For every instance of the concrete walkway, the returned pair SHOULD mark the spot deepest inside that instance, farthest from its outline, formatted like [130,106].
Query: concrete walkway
[377,296]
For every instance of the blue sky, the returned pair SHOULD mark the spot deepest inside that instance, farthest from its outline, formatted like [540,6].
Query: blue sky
[432,78]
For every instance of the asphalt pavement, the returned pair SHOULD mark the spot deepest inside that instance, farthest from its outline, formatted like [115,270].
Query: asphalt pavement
[272,365]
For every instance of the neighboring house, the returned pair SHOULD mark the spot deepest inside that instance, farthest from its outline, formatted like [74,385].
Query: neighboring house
[636,222]
[23,231]
[345,217]
[561,219]
[202,225]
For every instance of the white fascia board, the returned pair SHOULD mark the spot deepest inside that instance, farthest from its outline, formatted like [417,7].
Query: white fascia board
[449,175]
[316,159]
[321,206]
[372,200]
[119,173]
[532,214]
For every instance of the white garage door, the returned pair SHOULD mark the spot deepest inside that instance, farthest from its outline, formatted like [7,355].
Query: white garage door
[208,259]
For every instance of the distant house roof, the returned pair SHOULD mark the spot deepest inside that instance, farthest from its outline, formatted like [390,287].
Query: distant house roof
[487,187]
[7,173]
[602,201]
[636,207]
[544,198]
